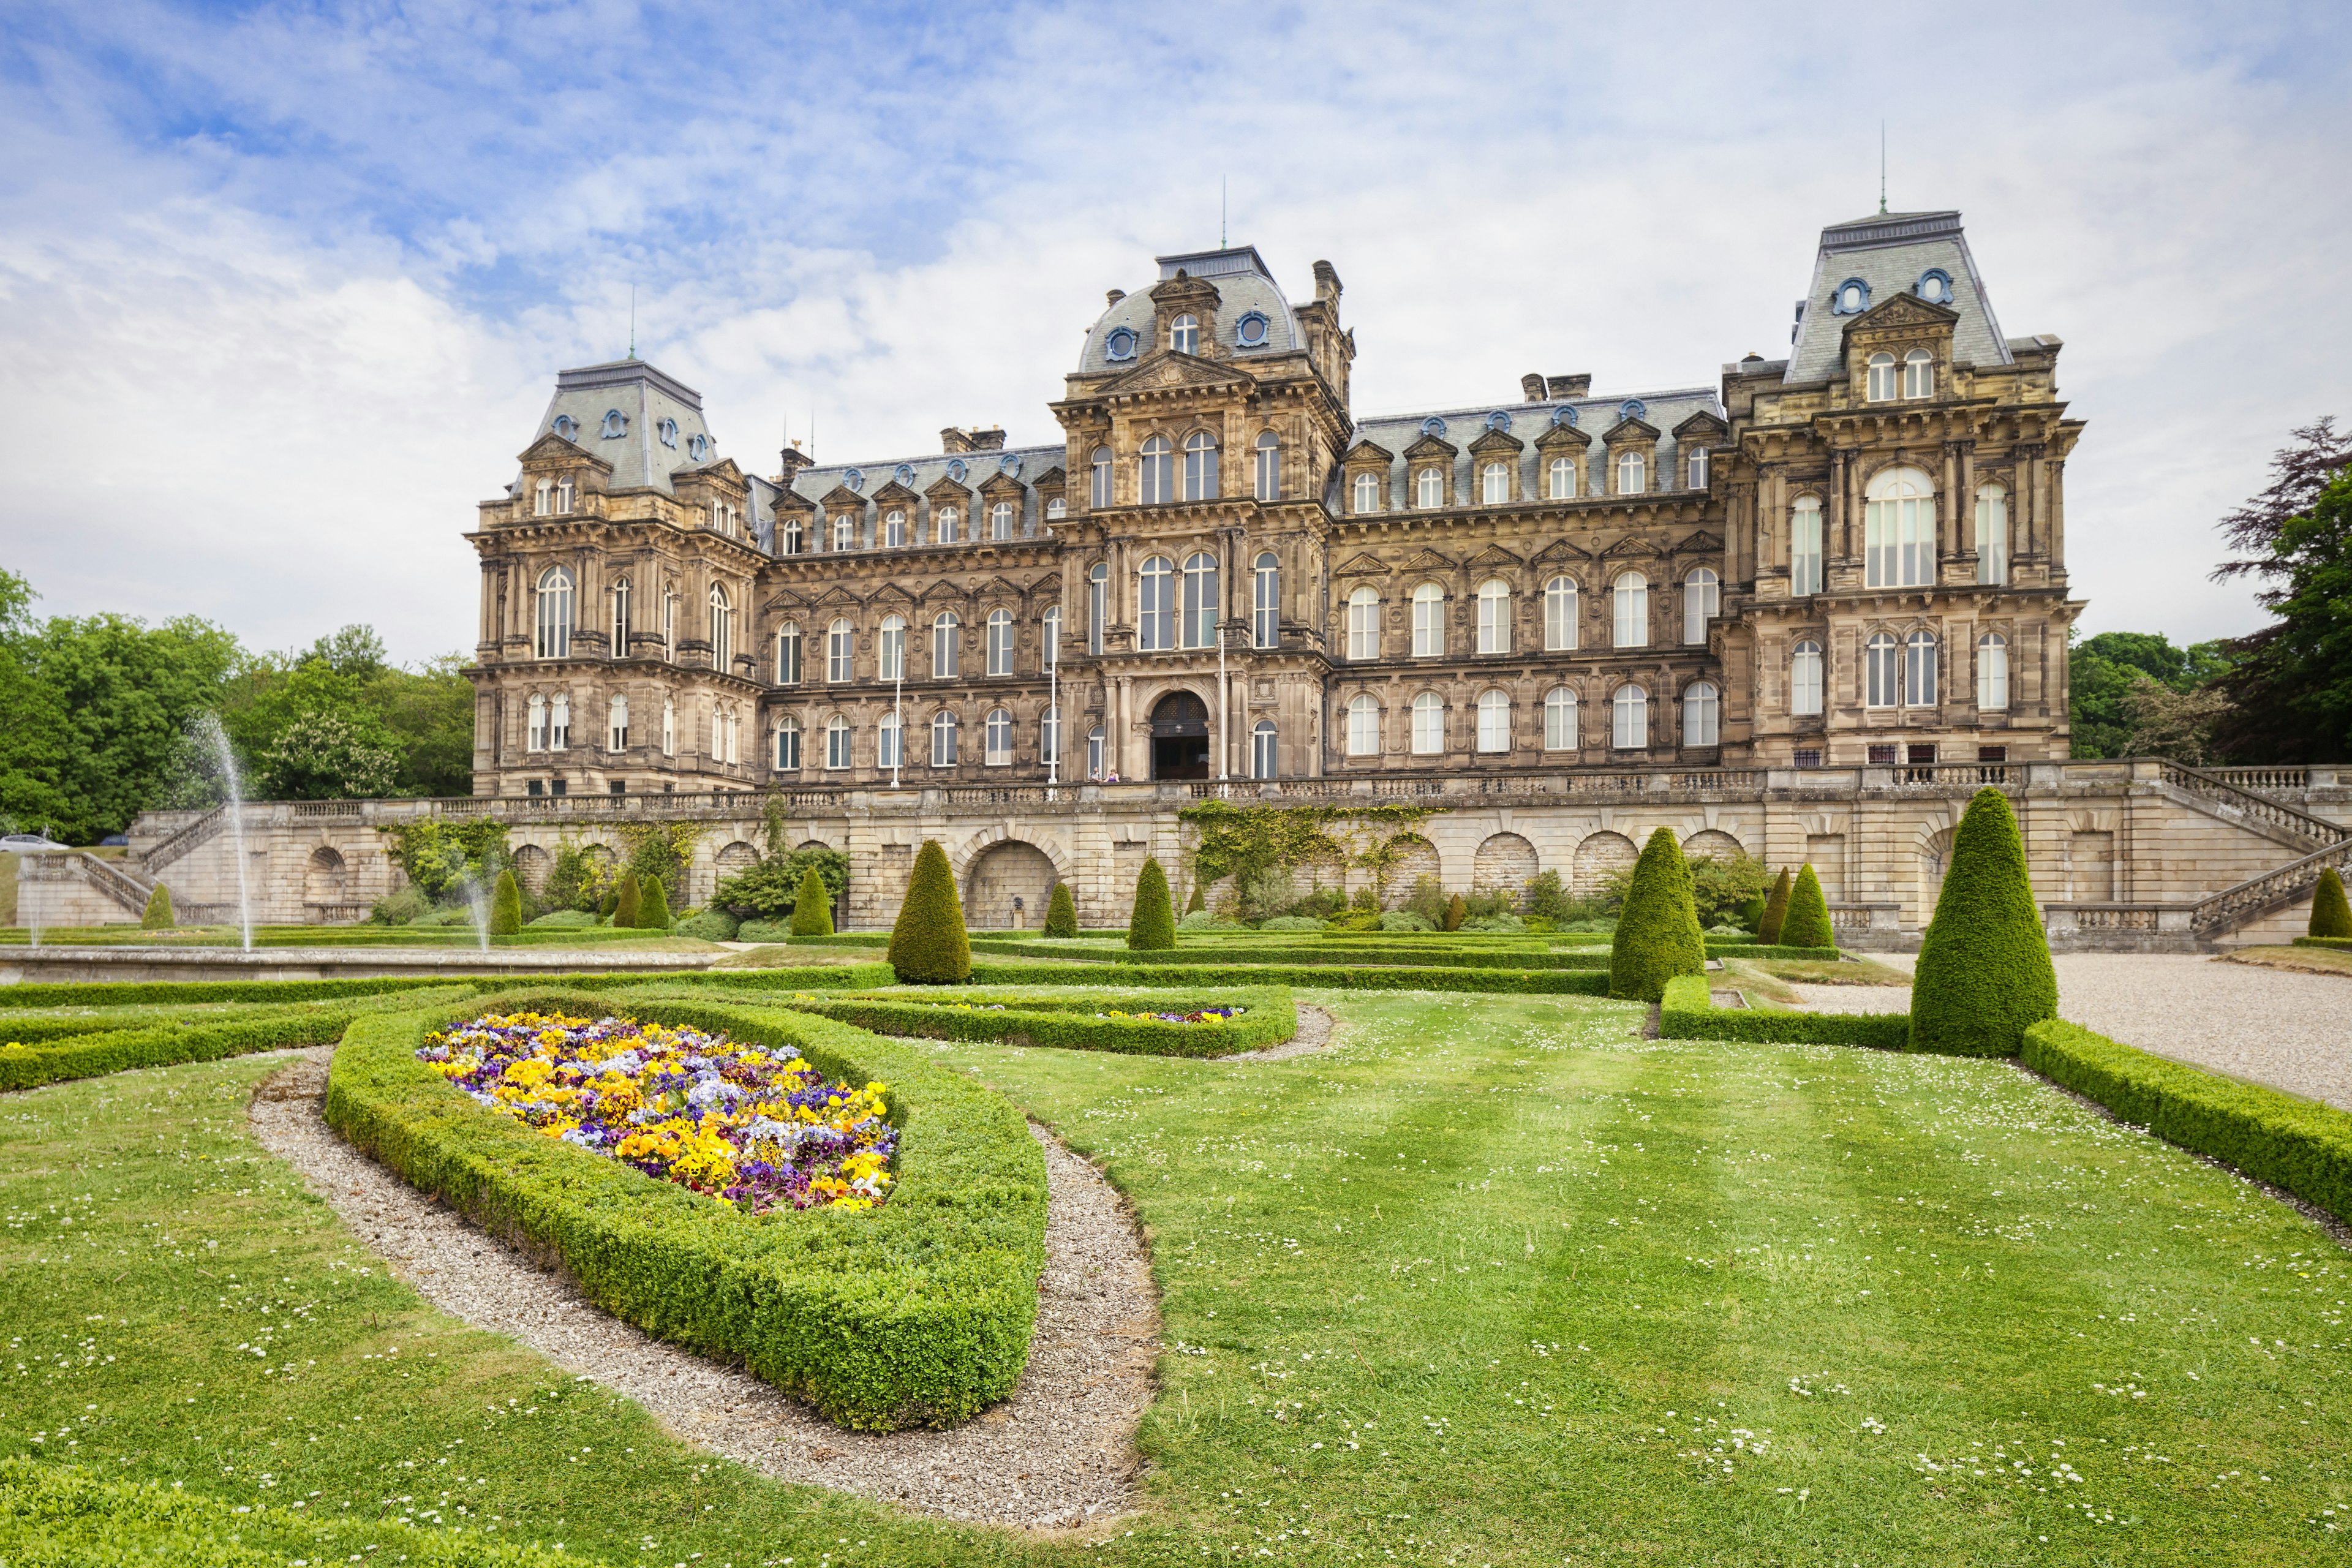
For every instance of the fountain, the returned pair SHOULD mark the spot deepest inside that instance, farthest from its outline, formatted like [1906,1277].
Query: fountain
[479,902]
[210,733]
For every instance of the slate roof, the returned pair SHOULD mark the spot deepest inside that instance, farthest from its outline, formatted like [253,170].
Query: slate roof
[1891,252]
[644,397]
[1022,464]
[1594,414]
[1244,283]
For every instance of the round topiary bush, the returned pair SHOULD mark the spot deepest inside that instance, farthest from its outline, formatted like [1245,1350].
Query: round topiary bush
[710,925]
[1984,974]
[812,907]
[2330,915]
[1061,913]
[1806,922]
[1404,920]
[1152,925]
[653,908]
[1657,928]
[928,944]
[627,899]
[1776,910]
[159,915]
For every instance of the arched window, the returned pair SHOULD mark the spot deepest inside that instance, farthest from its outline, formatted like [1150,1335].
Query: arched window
[1050,655]
[1000,521]
[1200,600]
[1632,474]
[542,496]
[1097,752]
[789,539]
[1269,466]
[1184,334]
[555,613]
[836,742]
[1049,736]
[1918,374]
[559,724]
[722,733]
[1631,594]
[1880,386]
[1097,604]
[894,529]
[1155,624]
[1428,724]
[788,654]
[1992,535]
[999,642]
[839,639]
[890,737]
[1699,466]
[1494,617]
[1265,602]
[669,624]
[1805,677]
[1560,615]
[1364,623]
[1495,483]
[1882,670]
[943,738]
[1429,487]
[1363,726]
[946,525]
[566,491]
[1101,463]
[1805,546]
[535,728]
[1919,670]
[1263,755]
[669,727]
[1055,510]
[616,724]
[1563,478]
[788,745]
[1200,466]
[1899,530]
[1429,621]
[1155,473]
[1560,719]
[1494,721]
[1702,714]
[996,739]
[1992,672]
[890,649]
[947,643]
[1367,493]
[1628,718]
[620,594]
[723,518]
[845,531]
[1702,602]
[722,627]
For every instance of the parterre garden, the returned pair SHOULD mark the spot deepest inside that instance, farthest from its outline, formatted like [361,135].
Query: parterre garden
[1498,1276]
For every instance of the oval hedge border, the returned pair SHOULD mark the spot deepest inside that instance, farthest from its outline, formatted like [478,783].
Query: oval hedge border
[918,1313]
[1068,1023]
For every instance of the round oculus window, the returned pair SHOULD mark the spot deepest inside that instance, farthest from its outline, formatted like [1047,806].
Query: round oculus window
[855,478]
[1121,344]
[956,470]
[1250,330]
[904,473]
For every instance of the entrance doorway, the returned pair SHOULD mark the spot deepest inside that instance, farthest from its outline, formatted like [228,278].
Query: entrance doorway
[1180,737]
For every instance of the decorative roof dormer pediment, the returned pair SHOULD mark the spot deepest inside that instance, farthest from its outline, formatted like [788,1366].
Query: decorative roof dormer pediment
[1179,372]
[1431,447]
[1630,431]
[1570,436]
[945,491]
[1903,312]
[841,498]
[552,450]
[1367,452]
[1703,425]
[1001,486]
[896,494]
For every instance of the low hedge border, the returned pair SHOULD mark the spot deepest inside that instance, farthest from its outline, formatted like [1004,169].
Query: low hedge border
[1368,977]
[136,992]
[2340,943]
[1425,956]
[1689,1012]
[168,1045]
[917,1313]
[1069,1024]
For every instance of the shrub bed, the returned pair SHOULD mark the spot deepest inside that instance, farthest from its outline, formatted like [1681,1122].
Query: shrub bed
[1688,1012]
[1107,1022]
[916,1313]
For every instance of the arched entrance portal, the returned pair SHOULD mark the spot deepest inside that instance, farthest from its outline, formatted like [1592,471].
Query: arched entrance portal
[1180,737]
[1008,887]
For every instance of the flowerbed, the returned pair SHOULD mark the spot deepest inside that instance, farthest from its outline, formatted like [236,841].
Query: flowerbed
[1202,1016]
[756,1127]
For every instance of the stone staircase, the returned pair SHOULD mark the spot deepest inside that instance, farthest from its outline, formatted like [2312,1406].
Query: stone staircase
[2240,795]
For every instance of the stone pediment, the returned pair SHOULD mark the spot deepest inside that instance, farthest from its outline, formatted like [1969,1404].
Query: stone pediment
[1902,311]
[1001,486]
[1631,429]
[785,601]
[1051,479]
[841,498]
[945,491]
[1561,549]
[891,594]
[1001,588]
[1700,543]
[1495,555]
[1364,565]
[1427,560]
[943,589]
[1495,442]
[723,472]
[1701,423]
[551,447]
[1367,451]
[1173,372]
[1563,435]
[1431,447]
[837,597]
[1632,547]
[894,494]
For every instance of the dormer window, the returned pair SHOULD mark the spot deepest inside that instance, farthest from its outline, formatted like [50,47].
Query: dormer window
[667,431]
[542,496]
[894,529]
[698,446]
[1632,474]
[1495,483]
[1935,286]
[855,478]
[1851,298]
[788,538]
[616,425]
[1055,510]
[1429,487]
[1119,345]
[904,473]
[1368,494]
[1249,332]
[1698,468]
[956,470]
[1184,334]
[566,426]
[1918,374]
[564,495]
[1880,386]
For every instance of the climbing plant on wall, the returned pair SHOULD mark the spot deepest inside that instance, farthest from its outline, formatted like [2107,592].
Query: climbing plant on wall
[1240,838]
[438,854]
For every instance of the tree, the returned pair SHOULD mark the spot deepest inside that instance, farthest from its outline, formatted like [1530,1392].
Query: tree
[159,915]
[628,903]
[1806,922]
[1456,911]
[1658,935]
[2289,687]
[1152,925]
[653,905]
[812,907]
[2110,678]
[1061,913]
[326,756]
[2330,915]
[1984,972]
[1776,910]
[2169,724]
[506,907]
[771,888]
[928,943]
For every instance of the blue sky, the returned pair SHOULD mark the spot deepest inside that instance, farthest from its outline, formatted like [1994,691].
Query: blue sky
[282,288]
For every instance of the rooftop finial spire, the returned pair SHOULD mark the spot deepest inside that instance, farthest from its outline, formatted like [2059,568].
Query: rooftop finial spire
[1882,168]
[1224,235]
[633,313]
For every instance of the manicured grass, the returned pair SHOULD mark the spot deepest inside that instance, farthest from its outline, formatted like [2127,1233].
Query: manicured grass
[2309,959]
[1494,1281]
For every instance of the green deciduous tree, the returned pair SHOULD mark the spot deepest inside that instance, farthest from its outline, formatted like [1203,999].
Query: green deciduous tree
[928,943]
[2289,686]
[1984,972]
[1151,924]
[1658,934]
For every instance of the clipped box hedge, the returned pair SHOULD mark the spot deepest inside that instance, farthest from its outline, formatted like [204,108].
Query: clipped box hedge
[167,1045]
[1688,1012]
[137,992]
[2340,943]
[1365,977]
[917,1313]
[1070,1023]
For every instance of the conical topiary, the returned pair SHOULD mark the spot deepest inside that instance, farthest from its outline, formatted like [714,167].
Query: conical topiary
[812,907]
[1061,913]
[929,946]
[611,902]
[1776,910]
[1152,925]
[159,915]
[1657,930]
[2330,915]
[1984,972]
[653,905]
[506,907]
[1806,921]
[627,901]
[1199,900]
[1456,911]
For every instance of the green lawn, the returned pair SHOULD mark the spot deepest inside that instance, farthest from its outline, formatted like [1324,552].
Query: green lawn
[1494,1281]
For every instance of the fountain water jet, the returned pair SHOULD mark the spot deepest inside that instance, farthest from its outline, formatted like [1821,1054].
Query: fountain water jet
[209,731]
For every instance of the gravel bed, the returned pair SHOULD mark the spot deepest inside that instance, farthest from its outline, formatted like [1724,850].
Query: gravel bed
[1059,1454]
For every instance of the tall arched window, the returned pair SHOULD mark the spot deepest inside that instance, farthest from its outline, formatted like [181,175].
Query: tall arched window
[1428,724]
[1881,384]
[999,642]
[890,649]
[1097,754]
[1050,655]
[555,613]
[1097,604]
[836,742]
[1919,670]
[1494,721]
[1269,466]
[839,639]
[1049,736]
[996,739]
[722,627]
[1630,593]
[535,725]
[1899,530]
[1563,478]
[1495,483]
[1429,621]
[1805,546]
[1184,334]
[1628,718]
[1805,677]
[542,496]
[669,727]
[1367,493]
[1702,714]
[890,741]
[1155,606]
[1918,374]
[948,525]
[1000,521]
[1560,719]
[1101,465]
[1364,623]
[1881,659]
[1560,615]
[1201,600]
[1702,602]
[1992,535]
[1263,756]
[1992,672]
[943,738]
[567,491]
[1265,602]
[1632,474]
[616,723]
[788,745]
[1155,473]
[621,619]
[946,645]
[894,529]
[788,654]
[559,724]
[789,538]
[1363,726]
[1494,617]
[1200,466]
[1429,487]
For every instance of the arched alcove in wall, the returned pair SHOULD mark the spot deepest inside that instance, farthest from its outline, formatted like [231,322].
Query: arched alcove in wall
[1599,857]
[531,864]
[1506,863]
[1410,858]
[1715,844]
[1008,886]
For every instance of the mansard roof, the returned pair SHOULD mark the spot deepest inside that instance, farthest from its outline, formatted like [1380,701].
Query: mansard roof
[1245,284]
[1890,253]
[648,401]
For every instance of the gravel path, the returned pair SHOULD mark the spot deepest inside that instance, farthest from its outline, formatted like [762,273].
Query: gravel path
[1060,1453]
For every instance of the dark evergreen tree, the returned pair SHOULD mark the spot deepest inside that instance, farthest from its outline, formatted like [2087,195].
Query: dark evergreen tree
[1776,910]
[2330,915]
[812,909]
[506,907]
[1061,913]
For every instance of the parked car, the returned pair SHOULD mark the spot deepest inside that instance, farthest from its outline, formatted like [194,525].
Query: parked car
[28,844]
[115,840]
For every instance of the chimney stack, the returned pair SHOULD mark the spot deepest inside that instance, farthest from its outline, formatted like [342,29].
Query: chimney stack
[1562,386]
[1115,296]
[791,461]
[1327,282]
[1531,386]
[989,440]
[954,441]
